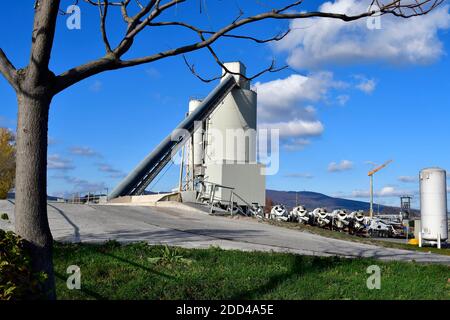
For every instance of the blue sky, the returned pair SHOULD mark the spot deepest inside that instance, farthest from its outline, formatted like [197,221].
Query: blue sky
[351,96]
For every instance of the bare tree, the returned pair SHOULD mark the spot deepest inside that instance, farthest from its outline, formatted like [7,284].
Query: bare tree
[35,85]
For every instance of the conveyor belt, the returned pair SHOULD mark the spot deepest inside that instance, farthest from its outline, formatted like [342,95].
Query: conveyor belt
[139,179]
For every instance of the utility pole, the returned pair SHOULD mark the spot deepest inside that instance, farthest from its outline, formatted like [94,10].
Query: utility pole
[370,174]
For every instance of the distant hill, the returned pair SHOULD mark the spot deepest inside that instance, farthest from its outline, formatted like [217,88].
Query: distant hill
[312,200]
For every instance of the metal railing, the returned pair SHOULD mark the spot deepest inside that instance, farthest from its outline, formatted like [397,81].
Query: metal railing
[231,207]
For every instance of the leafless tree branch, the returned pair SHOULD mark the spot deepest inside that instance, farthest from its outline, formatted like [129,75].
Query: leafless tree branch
[154,8]
[271,68]
[99,3]
[44,26]
[8,70]
[191,67]
[103,11]
[278,37]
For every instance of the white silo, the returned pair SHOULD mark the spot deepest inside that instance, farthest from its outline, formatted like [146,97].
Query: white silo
[433,204]
[197,137]
[232,127]
[230,144]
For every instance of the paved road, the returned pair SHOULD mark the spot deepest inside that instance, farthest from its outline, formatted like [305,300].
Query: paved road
[95,223]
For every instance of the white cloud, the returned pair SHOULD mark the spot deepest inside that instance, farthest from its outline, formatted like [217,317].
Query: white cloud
[366,85]
[385,192]
[290,97]
[299,175]
[56,162]
[84,151]
[81,185]
[285,104]
[113,172]
[344,165]
[389,192]
[295,128]
[407,179]
[97,86]
[310,110]
[293,133]
[153,73]
[296,144]
[316,42]
[52,141]
[342,99]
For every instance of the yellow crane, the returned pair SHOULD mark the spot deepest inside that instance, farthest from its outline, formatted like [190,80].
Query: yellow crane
[370,174]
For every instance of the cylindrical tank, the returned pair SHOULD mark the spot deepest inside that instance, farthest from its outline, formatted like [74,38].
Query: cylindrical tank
[433,204]
[239,69]
[197,137]
[231,129]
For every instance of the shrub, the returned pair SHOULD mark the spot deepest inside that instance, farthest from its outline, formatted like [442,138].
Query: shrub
[7,162]
[17,281]
[4,216]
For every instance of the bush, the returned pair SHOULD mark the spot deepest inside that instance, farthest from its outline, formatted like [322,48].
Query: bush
[7,162]
[4,216]
[17,281]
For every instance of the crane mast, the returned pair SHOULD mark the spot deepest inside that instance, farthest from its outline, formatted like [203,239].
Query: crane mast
[370,174]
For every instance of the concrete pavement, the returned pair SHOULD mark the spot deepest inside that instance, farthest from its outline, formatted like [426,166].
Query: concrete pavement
[97,223]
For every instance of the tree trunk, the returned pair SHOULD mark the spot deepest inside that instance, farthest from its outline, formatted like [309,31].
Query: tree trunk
[31,184]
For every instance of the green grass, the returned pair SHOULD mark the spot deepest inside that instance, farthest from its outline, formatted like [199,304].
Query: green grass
[345,236]
[112,271]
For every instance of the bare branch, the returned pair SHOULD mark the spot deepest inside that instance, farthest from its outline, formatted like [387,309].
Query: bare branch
[84,71]
[154,8]
[274,14]
[124,11]
[271,68]
[214,37]
[63,12]
[116,3]
[291,6]
[139,4]
[103,11]
[416,9]
[278,37]
[136,26]
[8,70]
[192,69]
[44,26]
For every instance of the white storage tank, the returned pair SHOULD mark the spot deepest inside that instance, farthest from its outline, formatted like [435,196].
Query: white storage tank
[230,144]
[197,136]
[433,204]
[231,128]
